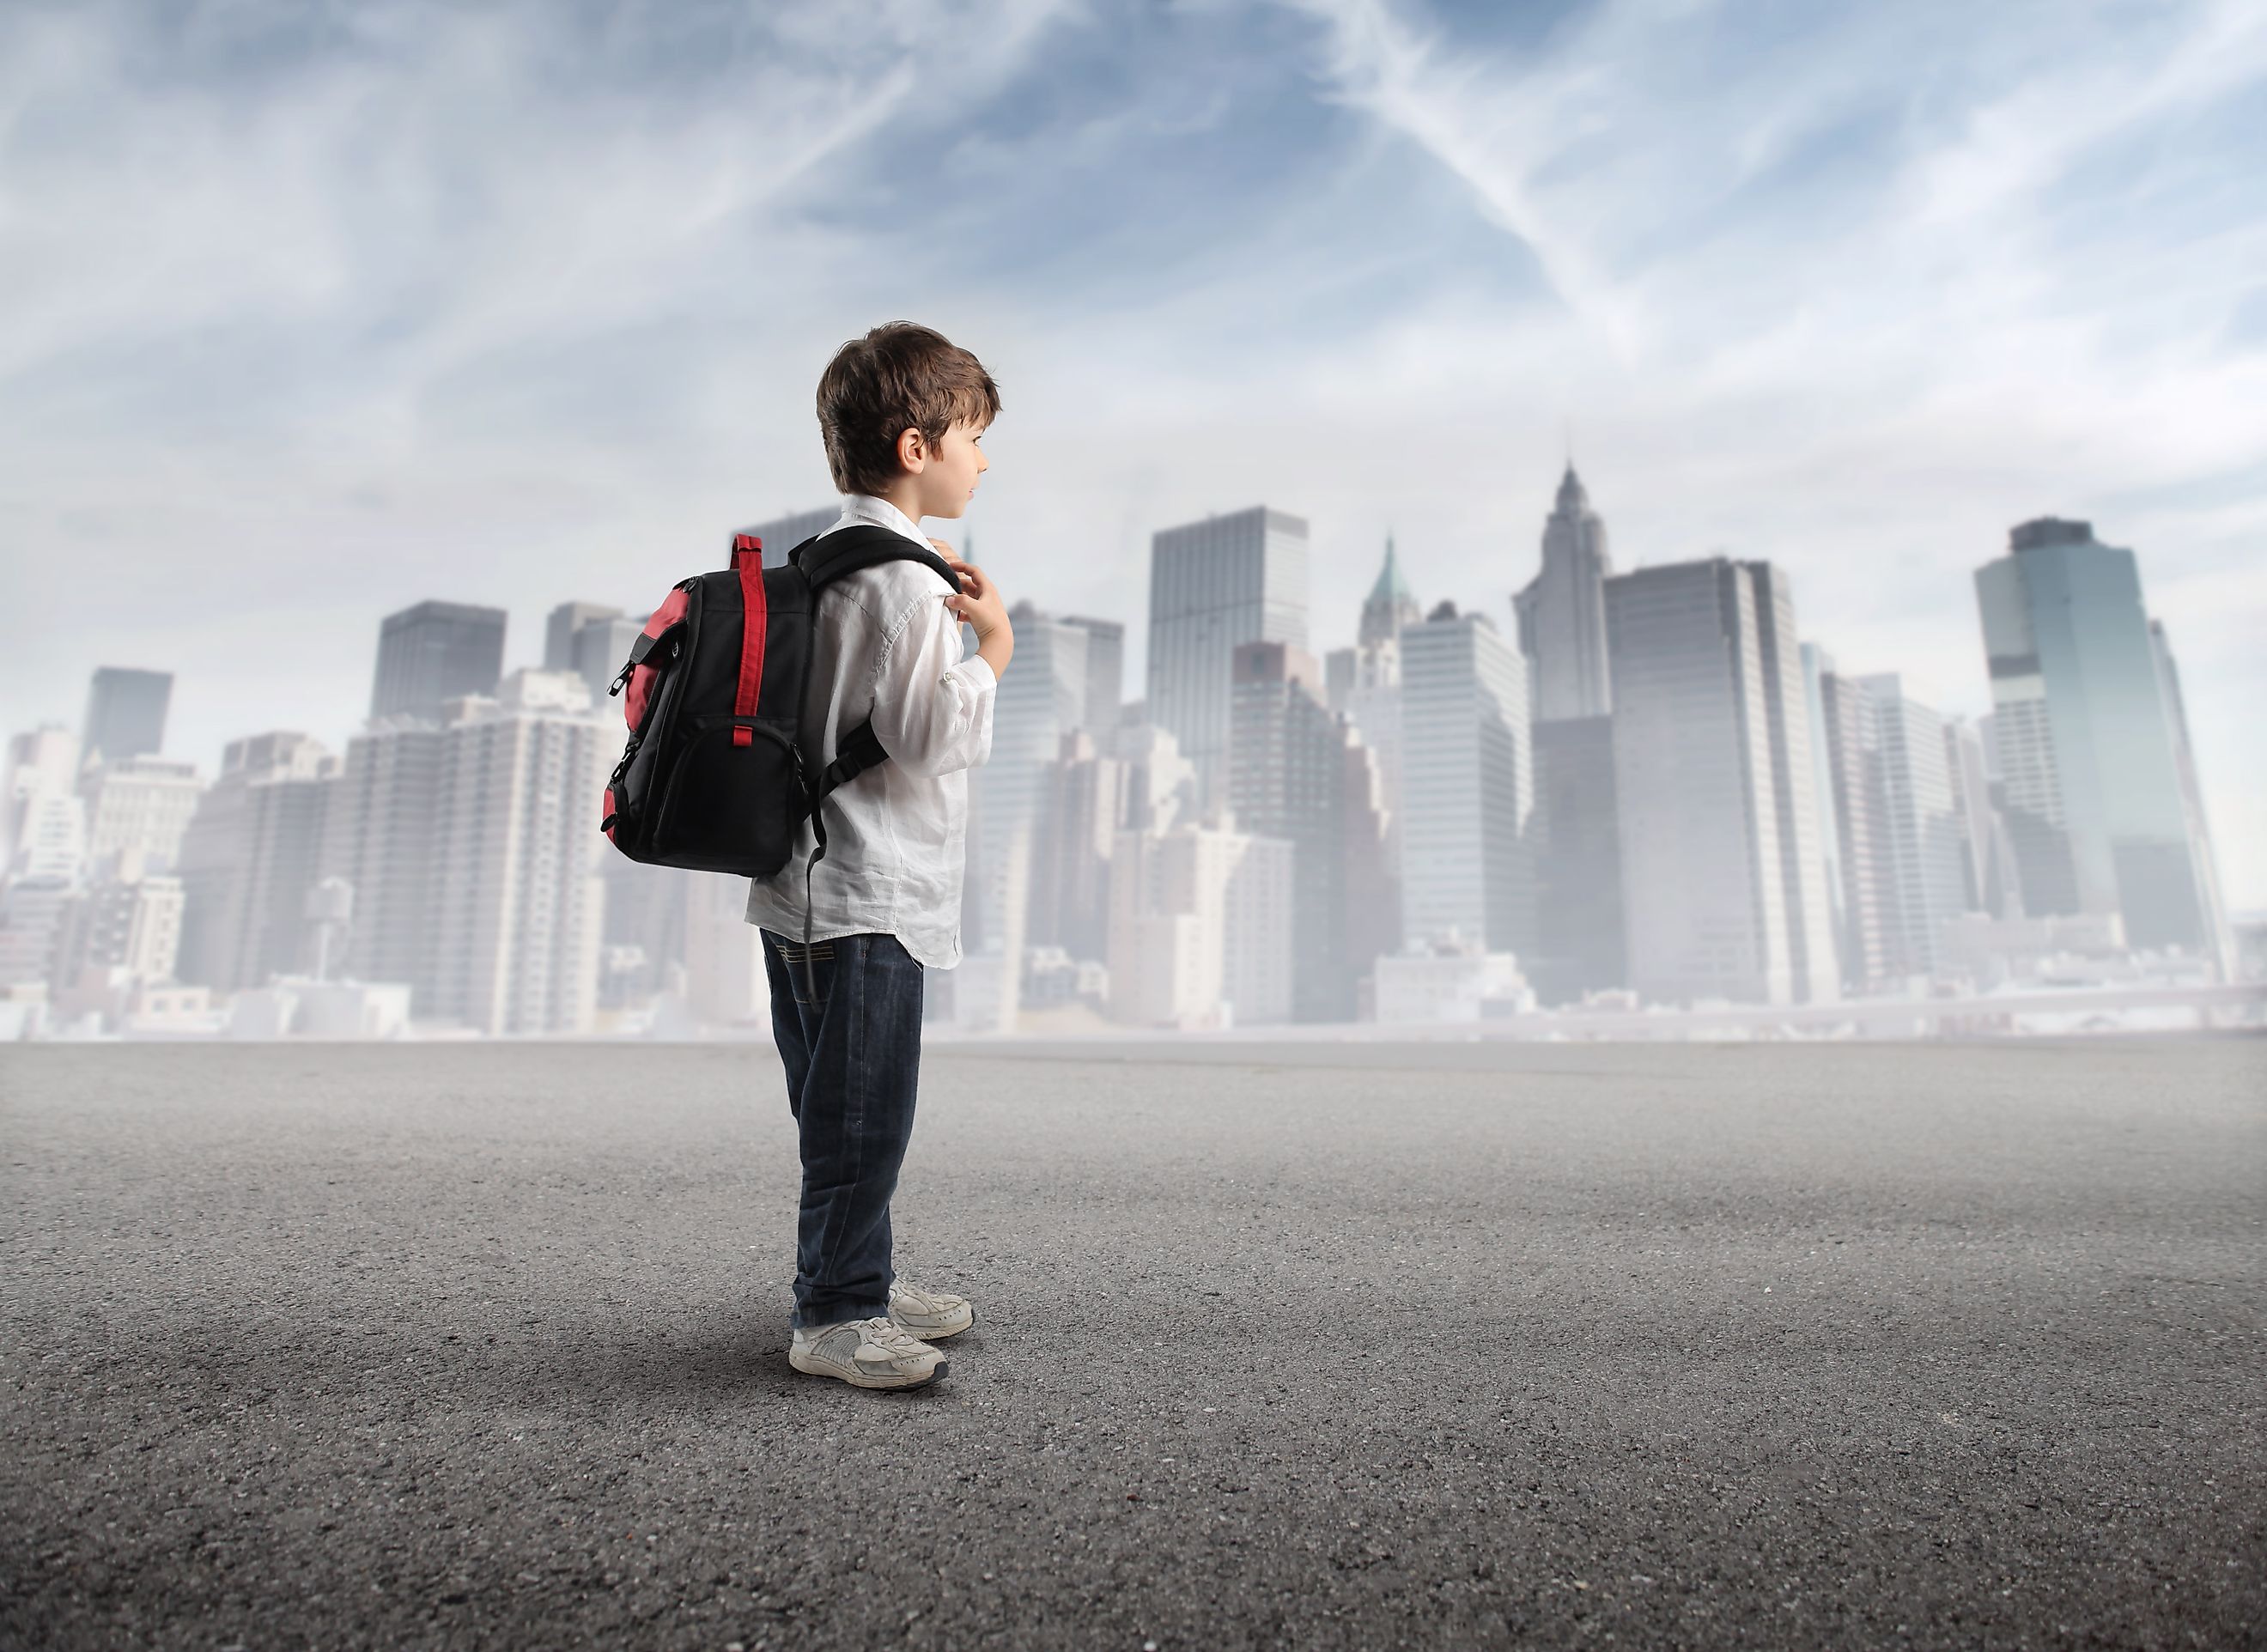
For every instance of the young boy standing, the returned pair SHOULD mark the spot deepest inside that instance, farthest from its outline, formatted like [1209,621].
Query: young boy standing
[901,411]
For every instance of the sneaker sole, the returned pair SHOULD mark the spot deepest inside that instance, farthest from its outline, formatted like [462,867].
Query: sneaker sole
[860,1379]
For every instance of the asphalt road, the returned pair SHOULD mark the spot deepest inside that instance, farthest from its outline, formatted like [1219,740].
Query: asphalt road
[1784,1346]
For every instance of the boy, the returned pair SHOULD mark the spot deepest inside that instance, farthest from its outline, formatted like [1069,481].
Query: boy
[901,411]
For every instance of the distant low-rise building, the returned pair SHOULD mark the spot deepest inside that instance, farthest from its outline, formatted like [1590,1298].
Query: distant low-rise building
[1451,979]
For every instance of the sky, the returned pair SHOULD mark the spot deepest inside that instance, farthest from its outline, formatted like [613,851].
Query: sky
[310,312]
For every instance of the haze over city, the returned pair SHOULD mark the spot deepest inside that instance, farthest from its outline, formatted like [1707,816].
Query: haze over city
[1585,961]
[310,319]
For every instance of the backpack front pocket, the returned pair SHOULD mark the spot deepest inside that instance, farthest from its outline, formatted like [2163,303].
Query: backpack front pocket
[729,806]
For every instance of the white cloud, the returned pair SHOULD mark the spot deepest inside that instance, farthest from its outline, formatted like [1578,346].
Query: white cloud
[482,308]
[1870,398]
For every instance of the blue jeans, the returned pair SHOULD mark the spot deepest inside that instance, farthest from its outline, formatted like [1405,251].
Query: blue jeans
[849,1036]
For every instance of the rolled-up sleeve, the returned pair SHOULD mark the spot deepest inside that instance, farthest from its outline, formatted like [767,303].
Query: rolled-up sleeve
[932,708]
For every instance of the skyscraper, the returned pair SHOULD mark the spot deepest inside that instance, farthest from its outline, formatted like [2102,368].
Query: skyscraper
[1813,969]
[2219,939]
[125,713]
[782,534]
[1468,785]
[650,911]
[132,923]
[592,641]
[1105,673]
[1040,700]
[1297,770]
[1562,610]
[1389,605]
[518,911]
[1815,667]
[1723,881]
[1364,683]
[1070,885]
[1199,926]
[596,653]
[1984,862]
[377,838]
[136,810]
[1579,947]
[560,627]
[725,981]
[1579,943]
[1924,855]
[432,652]
[41,761]
[1853,767]
[1229,579]
[250,854]
[1364,687]
[2088,744]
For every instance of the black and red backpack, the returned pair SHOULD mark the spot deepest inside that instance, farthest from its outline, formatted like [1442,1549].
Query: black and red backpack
[714,778]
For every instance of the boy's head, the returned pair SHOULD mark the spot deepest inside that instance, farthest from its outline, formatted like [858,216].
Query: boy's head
[900,410]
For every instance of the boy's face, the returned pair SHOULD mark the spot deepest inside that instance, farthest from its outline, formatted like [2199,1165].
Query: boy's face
[946,481]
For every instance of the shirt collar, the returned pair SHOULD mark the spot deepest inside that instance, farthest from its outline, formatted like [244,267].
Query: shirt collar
[864,507]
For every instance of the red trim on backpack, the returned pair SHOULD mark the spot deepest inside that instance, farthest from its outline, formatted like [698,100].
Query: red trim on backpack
[640,684]
[755,621]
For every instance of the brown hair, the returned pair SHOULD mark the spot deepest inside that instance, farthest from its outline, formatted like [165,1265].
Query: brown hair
[899,374]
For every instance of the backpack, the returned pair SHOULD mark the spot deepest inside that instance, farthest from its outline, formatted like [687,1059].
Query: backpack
[714,778]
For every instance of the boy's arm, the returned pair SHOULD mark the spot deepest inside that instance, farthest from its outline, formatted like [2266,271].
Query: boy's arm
[932,708]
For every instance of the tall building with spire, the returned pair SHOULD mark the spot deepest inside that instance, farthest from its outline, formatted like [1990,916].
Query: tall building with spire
[1390,605]
[1562,612]
[1363,683]
[1562,632]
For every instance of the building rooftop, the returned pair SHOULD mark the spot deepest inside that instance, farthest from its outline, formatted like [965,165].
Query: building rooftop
[2041,532]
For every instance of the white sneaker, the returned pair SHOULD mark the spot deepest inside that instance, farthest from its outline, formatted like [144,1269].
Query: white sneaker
[930,1314]
[876,1353]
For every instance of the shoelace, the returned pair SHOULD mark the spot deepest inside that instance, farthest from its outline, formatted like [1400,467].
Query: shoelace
[886,1333]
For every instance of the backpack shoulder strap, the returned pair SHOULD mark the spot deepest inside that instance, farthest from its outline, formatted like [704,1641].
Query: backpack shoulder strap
[825,558]
[858,750]
[829,556]
[822,559]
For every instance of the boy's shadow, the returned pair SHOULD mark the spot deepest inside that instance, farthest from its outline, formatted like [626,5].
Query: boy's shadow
[714,1353]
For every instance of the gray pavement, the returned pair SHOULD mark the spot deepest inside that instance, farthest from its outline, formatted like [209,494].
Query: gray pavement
[1779,1345]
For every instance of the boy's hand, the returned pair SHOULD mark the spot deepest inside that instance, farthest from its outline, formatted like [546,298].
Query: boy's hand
[978,600]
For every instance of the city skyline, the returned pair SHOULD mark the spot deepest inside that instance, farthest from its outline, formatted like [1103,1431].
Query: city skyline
[510,653]
[1848,294]
[1387,833]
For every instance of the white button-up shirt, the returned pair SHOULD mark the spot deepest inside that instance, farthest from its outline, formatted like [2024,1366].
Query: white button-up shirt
[885,645]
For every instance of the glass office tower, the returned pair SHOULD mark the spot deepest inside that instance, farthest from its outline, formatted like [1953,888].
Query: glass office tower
[2089,747]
